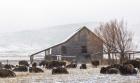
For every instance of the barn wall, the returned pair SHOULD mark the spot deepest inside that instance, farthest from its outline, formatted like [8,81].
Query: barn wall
[73,45]
[95,45]
[83,38]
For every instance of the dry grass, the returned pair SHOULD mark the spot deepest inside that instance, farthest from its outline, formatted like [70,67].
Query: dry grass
[90,75]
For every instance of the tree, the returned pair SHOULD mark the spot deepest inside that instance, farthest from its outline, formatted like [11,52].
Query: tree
[123,40]
[116,38]
[107,33]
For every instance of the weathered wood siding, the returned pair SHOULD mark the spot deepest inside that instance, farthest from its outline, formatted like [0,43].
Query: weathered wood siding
[73,45]
[95,46]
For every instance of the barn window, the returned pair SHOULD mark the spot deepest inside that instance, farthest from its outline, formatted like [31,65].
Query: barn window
[63,49]
[83,49]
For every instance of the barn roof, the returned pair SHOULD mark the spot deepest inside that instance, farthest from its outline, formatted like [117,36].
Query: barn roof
[72,35]
[60,34]
[63,34]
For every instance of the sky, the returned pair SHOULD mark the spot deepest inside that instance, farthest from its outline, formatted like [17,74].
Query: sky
[17,15]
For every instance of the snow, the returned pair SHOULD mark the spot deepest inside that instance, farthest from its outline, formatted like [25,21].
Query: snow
[90,75]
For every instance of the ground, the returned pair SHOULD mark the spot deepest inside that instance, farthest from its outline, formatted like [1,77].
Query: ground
[90,75]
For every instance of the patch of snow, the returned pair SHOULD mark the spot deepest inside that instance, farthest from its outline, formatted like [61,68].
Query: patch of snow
[90,75]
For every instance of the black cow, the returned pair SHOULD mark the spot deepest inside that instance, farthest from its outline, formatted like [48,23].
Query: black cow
[113,71]
[6,73]
[59,70]
[43,63]
[135,63]
[71,65]
[83,66]
[21,69]
[8,66]
[103,70]
[95,63]
[23,63]
[34,69]
[51,64]
[127,69]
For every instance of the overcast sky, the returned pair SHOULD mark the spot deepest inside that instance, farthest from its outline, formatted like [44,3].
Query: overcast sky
[17,15]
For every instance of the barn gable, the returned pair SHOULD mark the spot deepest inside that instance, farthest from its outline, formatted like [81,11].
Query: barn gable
[82,45]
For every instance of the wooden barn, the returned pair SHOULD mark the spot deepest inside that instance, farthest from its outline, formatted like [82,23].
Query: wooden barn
[82,47]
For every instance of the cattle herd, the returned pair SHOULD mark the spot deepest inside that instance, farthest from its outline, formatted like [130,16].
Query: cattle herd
[130,67]
[60,67]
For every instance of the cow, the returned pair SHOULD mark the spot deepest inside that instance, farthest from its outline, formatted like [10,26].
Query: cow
[23,63]
[51,64]
[35,69]
[123,69]
[83,66]
[6,73]
[59,70]
[8,66]
[21,68]
[135,63]
[71,65]
[95,63]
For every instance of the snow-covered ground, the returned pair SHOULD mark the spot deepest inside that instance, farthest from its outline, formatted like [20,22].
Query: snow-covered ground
[90,75]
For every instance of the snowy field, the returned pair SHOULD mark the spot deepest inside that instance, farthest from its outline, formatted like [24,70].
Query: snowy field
[90,75]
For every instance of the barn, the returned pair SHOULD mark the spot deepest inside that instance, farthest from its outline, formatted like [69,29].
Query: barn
[83,46]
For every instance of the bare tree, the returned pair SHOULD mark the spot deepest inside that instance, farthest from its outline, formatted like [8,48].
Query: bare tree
[107,33]
[123,40]
[116,38]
